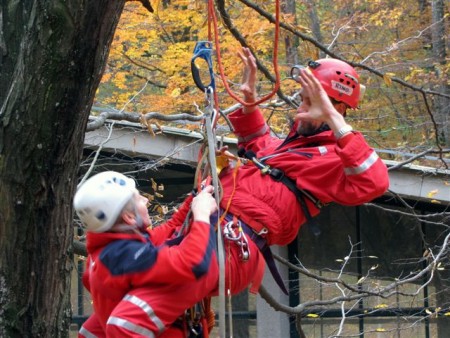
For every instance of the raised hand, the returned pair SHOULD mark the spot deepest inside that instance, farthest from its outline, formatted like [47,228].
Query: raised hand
[248,86]
[316,105]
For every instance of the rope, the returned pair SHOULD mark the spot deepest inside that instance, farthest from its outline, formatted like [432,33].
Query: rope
[212,15]
[210,124]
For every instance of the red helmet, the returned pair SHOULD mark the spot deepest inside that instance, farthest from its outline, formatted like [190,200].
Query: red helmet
[339,79]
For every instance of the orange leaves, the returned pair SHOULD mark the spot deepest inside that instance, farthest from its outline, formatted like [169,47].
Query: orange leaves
[387,77]
[156,49]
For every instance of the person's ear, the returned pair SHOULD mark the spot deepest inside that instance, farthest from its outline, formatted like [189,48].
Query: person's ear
[128,217]
[341,107]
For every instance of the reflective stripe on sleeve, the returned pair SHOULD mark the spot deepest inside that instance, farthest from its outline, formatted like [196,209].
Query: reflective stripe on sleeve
[250,137]
[130,326]
[363,166]
[148,310]
[85,333]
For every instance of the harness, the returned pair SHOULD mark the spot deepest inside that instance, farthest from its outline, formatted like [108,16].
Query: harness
[279,176]
[245,232]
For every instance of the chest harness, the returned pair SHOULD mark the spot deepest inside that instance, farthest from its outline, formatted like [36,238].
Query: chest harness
[244,231]
[279,176]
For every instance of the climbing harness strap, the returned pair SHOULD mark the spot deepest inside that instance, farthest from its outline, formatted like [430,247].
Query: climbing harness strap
[261,243]
[279,176]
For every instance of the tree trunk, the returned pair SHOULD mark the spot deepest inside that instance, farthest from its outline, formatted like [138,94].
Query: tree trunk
[52,54]
[291,41]
[315,23]
[441,104]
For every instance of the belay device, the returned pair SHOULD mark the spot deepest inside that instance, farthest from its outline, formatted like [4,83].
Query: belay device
[203,51]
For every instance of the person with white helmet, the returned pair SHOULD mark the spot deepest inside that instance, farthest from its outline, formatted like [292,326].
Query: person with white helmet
[322,159]
[139,281]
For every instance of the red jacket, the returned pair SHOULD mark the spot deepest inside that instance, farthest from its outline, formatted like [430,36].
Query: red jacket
[347,172]
[119,262]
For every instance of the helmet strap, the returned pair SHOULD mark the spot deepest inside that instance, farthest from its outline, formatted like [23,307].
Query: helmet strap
[138,219]
[122,227]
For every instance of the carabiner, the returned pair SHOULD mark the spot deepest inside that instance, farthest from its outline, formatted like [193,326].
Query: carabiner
[229,233]
[295,72]
[203,50]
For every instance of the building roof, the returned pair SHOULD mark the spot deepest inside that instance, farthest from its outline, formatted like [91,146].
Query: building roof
[177,145]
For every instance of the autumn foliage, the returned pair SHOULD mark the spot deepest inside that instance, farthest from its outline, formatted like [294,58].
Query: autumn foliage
[389,42]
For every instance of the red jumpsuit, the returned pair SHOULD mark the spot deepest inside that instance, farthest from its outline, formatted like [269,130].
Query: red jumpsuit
[140,284]
[347,172]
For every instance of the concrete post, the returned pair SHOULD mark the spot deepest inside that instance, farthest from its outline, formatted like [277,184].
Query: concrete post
[271,323]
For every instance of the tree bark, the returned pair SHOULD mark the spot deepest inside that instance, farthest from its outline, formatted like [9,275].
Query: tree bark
[52,55]
[441,104]
[291,41]
[315,23]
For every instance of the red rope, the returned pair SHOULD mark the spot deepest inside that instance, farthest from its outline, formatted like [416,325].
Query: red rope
[212,15]
[208,319]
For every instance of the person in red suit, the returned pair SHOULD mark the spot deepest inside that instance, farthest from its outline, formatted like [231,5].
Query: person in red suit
[140,281]
[322,159]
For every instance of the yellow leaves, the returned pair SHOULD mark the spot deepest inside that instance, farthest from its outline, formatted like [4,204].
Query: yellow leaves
[119,80]
[385,17]
[432,193]
[415,73]
[312,315]
[433,313]
[106,77]
[381,306]
[387,77]
[222,161]
[158,48]
[176,92]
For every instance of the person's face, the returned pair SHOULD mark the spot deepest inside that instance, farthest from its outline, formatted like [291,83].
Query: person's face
[141,203]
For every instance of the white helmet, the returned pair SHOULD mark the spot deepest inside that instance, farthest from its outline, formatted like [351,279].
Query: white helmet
[99,201]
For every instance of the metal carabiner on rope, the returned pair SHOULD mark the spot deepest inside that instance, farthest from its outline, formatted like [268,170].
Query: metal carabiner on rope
[233,232]
[295,72]
[203,50]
